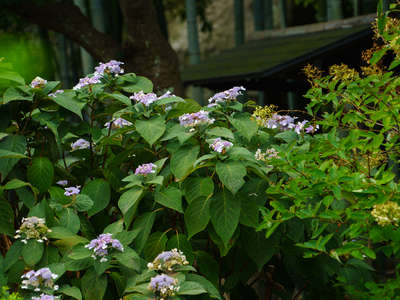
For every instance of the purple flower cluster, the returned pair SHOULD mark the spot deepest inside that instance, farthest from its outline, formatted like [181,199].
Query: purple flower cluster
[167,260]
[32,228]
[145,99]
[195,119]
[72,190]
[80,144]
[117,123]
[62,182]
[286,122]
[164,285]
[227,95]
[38,82]
[45,297]
[39,280]
[56,93]
[219,145]
[149,98]
[268,154]
[87,81]
[111,67]
[145,169]
[102,245]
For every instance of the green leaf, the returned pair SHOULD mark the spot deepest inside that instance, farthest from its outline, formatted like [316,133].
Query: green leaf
[32,252]
[100,192]
[182,161]
[257,247]
[121,98]
[180,242]
[208,286]
[249,213]
[80,252]
[15,144]
[12,76]
[197,215]
[225,214]
[41,173]
[10,154]
[128,203]
[115,227]
[151,130]
[141,84]
[145,223]
[220,132]
[191,288]
[126,237]
[83,202]
[129,258]
[198,186]
[244,125]
[70,220]
[170,197]
[71,291]
[6,218]
[14,184]
[93,286]
[15,94]
[69,101]
[13,255]
[231,174]
[155,245]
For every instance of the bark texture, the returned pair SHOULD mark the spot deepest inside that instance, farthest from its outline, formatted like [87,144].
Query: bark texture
[144,49]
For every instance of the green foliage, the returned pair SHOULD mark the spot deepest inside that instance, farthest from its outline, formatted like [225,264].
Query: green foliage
[311,212]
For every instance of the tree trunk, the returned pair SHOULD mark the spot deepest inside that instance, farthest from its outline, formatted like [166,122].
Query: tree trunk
[145,48]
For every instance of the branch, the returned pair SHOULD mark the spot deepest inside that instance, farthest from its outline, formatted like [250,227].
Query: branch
[67,18]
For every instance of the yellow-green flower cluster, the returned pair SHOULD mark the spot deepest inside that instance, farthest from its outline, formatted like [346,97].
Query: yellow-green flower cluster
[386,213]
[167,260]
[32,228]
[263,113]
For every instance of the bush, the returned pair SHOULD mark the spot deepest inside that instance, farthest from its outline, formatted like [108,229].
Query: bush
[96,184]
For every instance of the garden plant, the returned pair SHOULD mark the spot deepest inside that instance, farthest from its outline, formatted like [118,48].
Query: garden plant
[110,190]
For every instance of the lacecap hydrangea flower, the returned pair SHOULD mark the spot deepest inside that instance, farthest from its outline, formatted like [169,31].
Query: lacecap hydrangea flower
[227,95]
[386,213]
[38,82]
[146,169]
[46,297]
[268,154]
[111,67]
[42,279]
[102,245]
[87,81]
[195,119]
[286,122]
[62,182]
[80,144]
[32,228]
[72,190]
[167,260]
[56,93]
[219,145]
[149,98]
[117,123]
[164,286]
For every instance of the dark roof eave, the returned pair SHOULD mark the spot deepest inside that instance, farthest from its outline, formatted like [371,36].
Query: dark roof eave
[280,67]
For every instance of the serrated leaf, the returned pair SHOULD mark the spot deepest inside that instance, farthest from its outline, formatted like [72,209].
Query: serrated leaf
[151,130]
[128,203]
[145,223]
[71,291]
[244,125]
[182,161]
[155,245]
[69,101]
[15,94]
[83,202]
[170,197]
[32,252]
[70,220]
[191,288]
[141,84]
[41,173]
[231,174]
[93,286]
[197,215]
[15,144]
[198,186]
[225,214]
[220,132]
[121,98]
[100,192]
